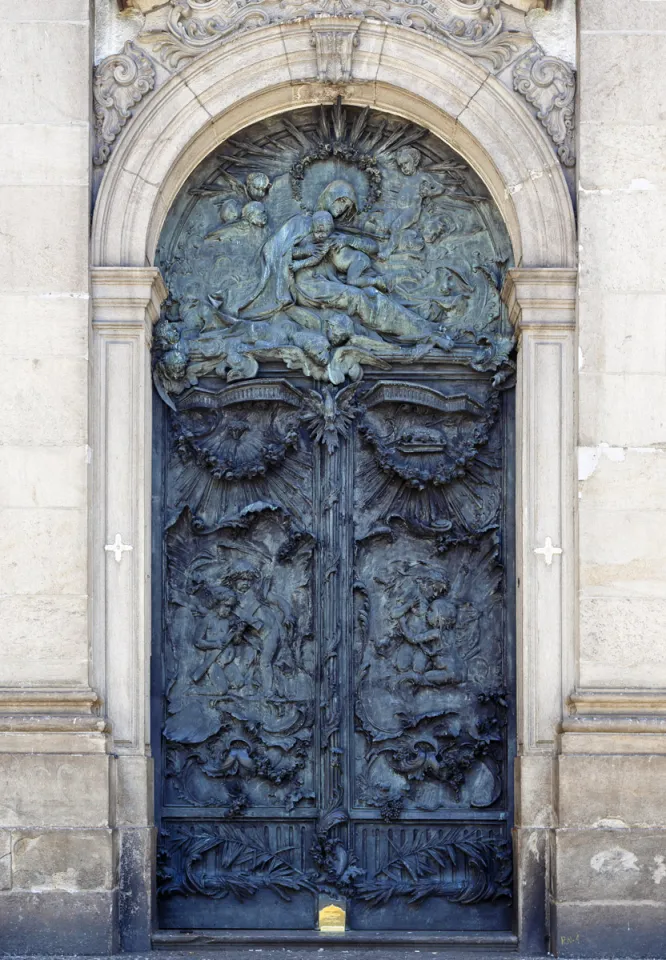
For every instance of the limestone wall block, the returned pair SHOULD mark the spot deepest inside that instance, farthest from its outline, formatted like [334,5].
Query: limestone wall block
[623,332]
[62,860]
[620,538]
[45,60]
[622,156]
[45,10]
[43,640]
[44,401]
[43,476]
[610,865]
[44,243]
[622,642]
[57,922]
[44,325]
[623,410]
[622,15]
[612,792]
[52,790]
[622,478]
[40,155]
[619,82]
[607,929]
[622,242]
[53,741]
[44,551]
[134,791]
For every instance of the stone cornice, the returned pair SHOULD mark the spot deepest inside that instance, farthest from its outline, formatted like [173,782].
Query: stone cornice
[39,700]
[126,296]
[542,296]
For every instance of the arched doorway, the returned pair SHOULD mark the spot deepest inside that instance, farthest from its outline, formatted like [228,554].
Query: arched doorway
[334,501]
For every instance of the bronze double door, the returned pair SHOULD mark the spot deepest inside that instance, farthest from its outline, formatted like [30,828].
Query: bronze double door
[333,547]
[333,670]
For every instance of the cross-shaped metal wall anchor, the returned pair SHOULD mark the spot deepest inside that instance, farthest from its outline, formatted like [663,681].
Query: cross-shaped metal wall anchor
[548,551]
[117,547]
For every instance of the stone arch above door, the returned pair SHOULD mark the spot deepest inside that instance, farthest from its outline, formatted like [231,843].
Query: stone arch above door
[272,70]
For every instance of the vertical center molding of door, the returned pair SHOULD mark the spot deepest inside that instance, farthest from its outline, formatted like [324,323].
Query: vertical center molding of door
[541,304]
[126,303]
[331,490]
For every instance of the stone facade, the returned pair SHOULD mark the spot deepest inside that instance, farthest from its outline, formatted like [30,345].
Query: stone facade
[79,296]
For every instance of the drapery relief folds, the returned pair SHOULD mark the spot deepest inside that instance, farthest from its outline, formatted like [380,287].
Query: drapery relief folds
[493,34]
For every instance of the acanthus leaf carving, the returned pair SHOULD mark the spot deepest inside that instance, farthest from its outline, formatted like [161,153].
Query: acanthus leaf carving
[549,85]
[120,82]
[334,45]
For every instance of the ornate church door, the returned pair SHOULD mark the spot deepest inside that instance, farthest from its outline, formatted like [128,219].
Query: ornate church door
[333,545]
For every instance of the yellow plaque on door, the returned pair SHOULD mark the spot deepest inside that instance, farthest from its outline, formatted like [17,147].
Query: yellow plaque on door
[332,919]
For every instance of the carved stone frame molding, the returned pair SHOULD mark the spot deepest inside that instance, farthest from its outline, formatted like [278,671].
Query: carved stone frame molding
[410,75]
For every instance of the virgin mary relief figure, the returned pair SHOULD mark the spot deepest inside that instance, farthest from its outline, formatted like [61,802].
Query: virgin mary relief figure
[349,247]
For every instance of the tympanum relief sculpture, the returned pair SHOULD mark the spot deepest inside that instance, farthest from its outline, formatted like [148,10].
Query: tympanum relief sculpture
[331,246]
[332,369]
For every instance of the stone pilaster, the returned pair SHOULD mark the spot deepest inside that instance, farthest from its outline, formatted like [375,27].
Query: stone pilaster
[541,304]
[126,302]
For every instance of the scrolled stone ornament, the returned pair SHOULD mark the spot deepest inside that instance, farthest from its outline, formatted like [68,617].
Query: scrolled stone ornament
[120,82]
[549,85]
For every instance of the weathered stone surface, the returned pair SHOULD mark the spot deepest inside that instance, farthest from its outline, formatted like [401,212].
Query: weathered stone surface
[136,855]
[534,797]
[38,325]
[620,478]
[622,410]
[612,791]
[57,923]
[44,551]
[531,852]
[624,333]
[43,476]
[610,865]
[619,83]
[62,860]
[58,216]
[622,15]
[622,157]
[41,155]
[57,51]
[639,217]
[134,791]
[608,930]
[44,640]
[5,860]
[621,641]
[53,790]
[43,400]
[45,10]
[618,538]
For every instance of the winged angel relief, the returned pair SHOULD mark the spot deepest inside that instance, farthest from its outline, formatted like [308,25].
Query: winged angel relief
[329,242]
